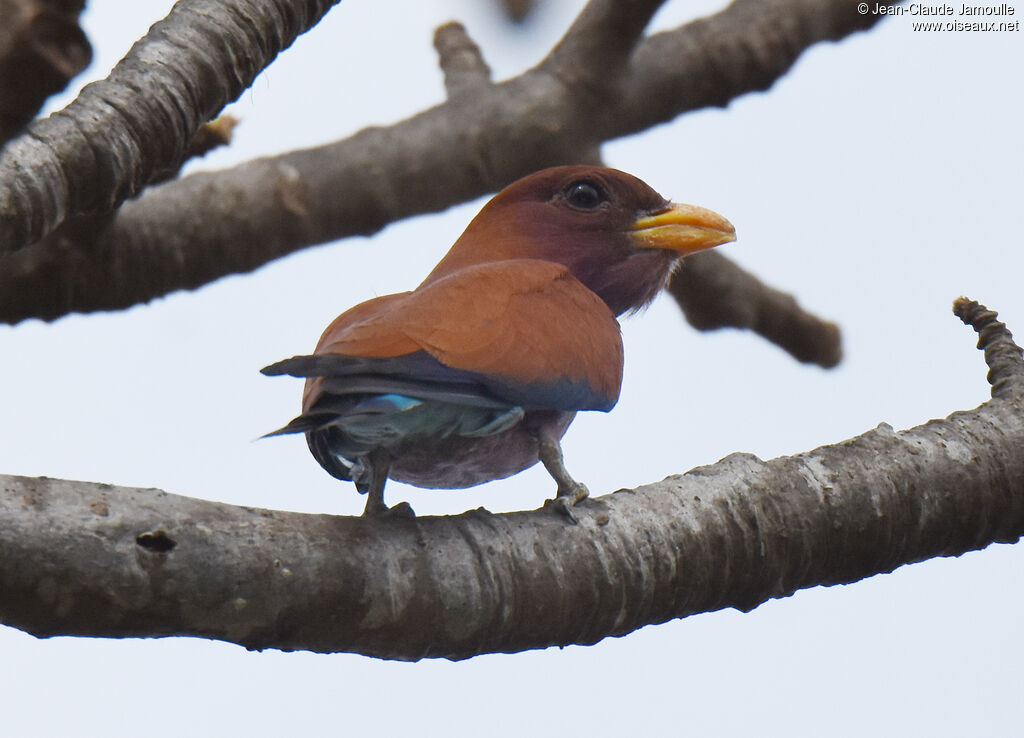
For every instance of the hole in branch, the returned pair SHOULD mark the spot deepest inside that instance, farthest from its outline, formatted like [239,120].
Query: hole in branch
[156,541]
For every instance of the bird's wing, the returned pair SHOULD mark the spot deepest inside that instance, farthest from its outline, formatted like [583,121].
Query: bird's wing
[526,331]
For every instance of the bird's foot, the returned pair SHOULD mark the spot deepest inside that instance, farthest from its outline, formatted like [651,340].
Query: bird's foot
[375,508]
[401,511]
[570,492]
[561,506]
[567,498]
[573,492]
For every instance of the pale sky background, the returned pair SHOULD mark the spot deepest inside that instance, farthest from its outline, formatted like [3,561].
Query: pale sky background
[879,180]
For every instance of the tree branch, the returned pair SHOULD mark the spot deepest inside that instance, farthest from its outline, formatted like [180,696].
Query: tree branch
[743,49]
[518,10]
[715,293]
[595,50]
[90,559]
[461,61]
[41,49]
[133,127]
[189,232]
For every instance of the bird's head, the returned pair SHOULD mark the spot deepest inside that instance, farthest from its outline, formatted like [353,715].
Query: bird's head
[615,234]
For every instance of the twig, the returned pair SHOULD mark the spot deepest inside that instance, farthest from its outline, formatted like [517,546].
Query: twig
[465,70]
[1003,356]
[715,293]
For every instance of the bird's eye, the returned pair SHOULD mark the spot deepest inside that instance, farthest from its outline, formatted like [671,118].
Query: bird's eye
[584,195]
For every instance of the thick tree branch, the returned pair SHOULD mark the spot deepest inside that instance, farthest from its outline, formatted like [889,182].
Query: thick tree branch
[90,559]
[596,48]
[192,231]
[744,49]
[133,127]
[41,49]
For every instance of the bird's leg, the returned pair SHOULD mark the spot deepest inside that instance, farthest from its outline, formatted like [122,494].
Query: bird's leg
[570,492]
[378,464]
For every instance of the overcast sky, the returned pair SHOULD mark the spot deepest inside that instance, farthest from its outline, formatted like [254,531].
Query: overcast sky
[879,180]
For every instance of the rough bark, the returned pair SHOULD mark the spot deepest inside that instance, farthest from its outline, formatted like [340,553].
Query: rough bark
[90,559]
[134,127]
[41,49]
[194,230]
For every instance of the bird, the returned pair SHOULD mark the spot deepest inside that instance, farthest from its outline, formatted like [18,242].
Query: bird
[476,374]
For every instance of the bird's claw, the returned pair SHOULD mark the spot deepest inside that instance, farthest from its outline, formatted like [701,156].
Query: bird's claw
[561,506]
[566,499]
[573,493]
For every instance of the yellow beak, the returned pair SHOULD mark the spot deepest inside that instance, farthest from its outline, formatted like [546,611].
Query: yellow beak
[682,228]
